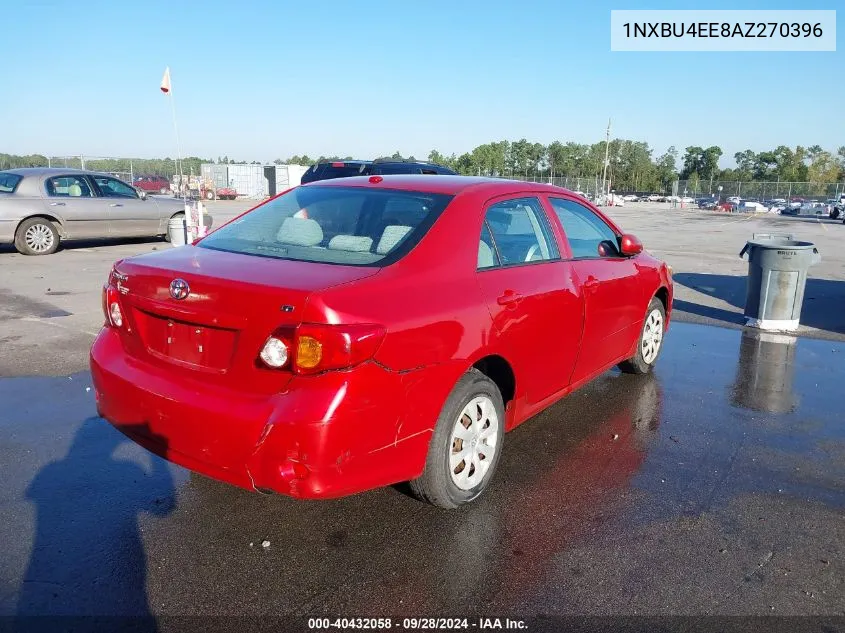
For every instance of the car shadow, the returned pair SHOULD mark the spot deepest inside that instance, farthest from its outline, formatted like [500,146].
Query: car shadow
[87,555]
[822,309]
[72,245]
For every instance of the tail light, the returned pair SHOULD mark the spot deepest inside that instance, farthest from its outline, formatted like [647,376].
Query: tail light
[311,349]
[111,307]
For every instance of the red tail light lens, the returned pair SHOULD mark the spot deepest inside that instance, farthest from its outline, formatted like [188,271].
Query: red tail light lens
[111,307]
[318,348]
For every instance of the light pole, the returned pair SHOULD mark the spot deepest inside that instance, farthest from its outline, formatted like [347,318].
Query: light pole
[604,171]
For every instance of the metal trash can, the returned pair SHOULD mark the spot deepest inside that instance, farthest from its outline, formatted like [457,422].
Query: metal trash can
[177,231]
[777,276]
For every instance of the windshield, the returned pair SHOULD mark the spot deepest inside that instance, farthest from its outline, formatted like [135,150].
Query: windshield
[339,225]
[9,182]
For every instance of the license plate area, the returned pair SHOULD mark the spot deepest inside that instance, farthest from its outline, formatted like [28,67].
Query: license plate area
[187,343]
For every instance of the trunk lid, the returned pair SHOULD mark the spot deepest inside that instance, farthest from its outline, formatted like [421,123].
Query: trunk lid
[233,303]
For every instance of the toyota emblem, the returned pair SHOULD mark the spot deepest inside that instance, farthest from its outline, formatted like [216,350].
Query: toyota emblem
[179,289]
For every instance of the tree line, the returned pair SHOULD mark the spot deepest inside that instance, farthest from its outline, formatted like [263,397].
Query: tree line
[138,166]
[632,164]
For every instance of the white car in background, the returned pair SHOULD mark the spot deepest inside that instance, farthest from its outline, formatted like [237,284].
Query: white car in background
[687,200]
[753,207]
[655,198]
[630,198]
[612,200]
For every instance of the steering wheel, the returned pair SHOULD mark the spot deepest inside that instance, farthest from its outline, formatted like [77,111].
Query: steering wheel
[531,252]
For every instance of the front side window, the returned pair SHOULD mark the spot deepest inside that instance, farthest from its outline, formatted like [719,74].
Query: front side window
[588,235]
[113,188]
[339,225]
[68,187]
[520,232]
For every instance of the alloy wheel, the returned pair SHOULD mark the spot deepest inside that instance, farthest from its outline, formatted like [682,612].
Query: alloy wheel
[652,336]
[39,238]
[473,443]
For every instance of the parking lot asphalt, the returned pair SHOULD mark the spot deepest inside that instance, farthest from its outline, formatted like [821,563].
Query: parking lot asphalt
[714,486]
[50,309]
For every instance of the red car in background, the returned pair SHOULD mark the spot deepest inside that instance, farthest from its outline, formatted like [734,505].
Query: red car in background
[152,184]
[358,332]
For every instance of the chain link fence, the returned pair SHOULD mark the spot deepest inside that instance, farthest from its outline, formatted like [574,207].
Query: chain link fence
[747,190]
[762,190]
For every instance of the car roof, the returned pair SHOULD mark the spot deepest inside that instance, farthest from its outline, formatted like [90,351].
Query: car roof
[351,161]
[445,184]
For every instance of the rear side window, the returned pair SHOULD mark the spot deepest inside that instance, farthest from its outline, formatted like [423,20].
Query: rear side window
[520,233]
[9,182]
[69,186]
[339,225]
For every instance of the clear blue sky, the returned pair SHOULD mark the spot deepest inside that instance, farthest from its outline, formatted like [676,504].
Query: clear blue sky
[258,80]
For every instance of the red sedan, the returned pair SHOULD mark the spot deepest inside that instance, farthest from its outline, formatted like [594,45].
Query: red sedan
[354,333]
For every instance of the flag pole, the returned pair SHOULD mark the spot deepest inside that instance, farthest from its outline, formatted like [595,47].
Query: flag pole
[169,91]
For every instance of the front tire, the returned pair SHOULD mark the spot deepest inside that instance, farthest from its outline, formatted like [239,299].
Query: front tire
[209,195]
[163,190]
[466,444]
[36,236]
[650,343]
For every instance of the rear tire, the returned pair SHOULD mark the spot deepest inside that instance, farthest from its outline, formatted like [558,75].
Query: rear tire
[209,195]
[163,190]
[650,343]
[466,444]
[36,236]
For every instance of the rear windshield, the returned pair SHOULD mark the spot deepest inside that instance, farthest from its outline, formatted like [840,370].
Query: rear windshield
[326,171]
[339,225]
[9,182]
[396,169]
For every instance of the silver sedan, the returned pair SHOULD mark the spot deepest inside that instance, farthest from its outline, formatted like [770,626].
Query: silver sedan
[41,206]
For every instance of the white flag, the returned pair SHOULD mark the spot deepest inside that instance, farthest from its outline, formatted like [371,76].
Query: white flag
[165,81]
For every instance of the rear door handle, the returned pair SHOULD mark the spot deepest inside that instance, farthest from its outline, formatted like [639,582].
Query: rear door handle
[509,298]
[115,205]
[57,204]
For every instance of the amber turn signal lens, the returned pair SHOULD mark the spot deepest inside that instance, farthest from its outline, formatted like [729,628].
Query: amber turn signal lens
[309,352]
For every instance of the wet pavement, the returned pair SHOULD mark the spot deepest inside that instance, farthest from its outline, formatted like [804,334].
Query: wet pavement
[715,486]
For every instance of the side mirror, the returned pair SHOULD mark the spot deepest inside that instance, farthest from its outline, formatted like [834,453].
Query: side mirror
[141,193]
[630,245]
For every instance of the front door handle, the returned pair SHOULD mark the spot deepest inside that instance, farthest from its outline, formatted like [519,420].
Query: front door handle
[115,204]
[592,282]
[508,298]
[57,204]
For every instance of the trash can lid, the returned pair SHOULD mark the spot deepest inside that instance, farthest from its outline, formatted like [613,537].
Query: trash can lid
[781,243]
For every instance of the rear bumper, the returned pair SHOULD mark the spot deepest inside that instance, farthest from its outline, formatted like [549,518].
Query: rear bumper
[326,436]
